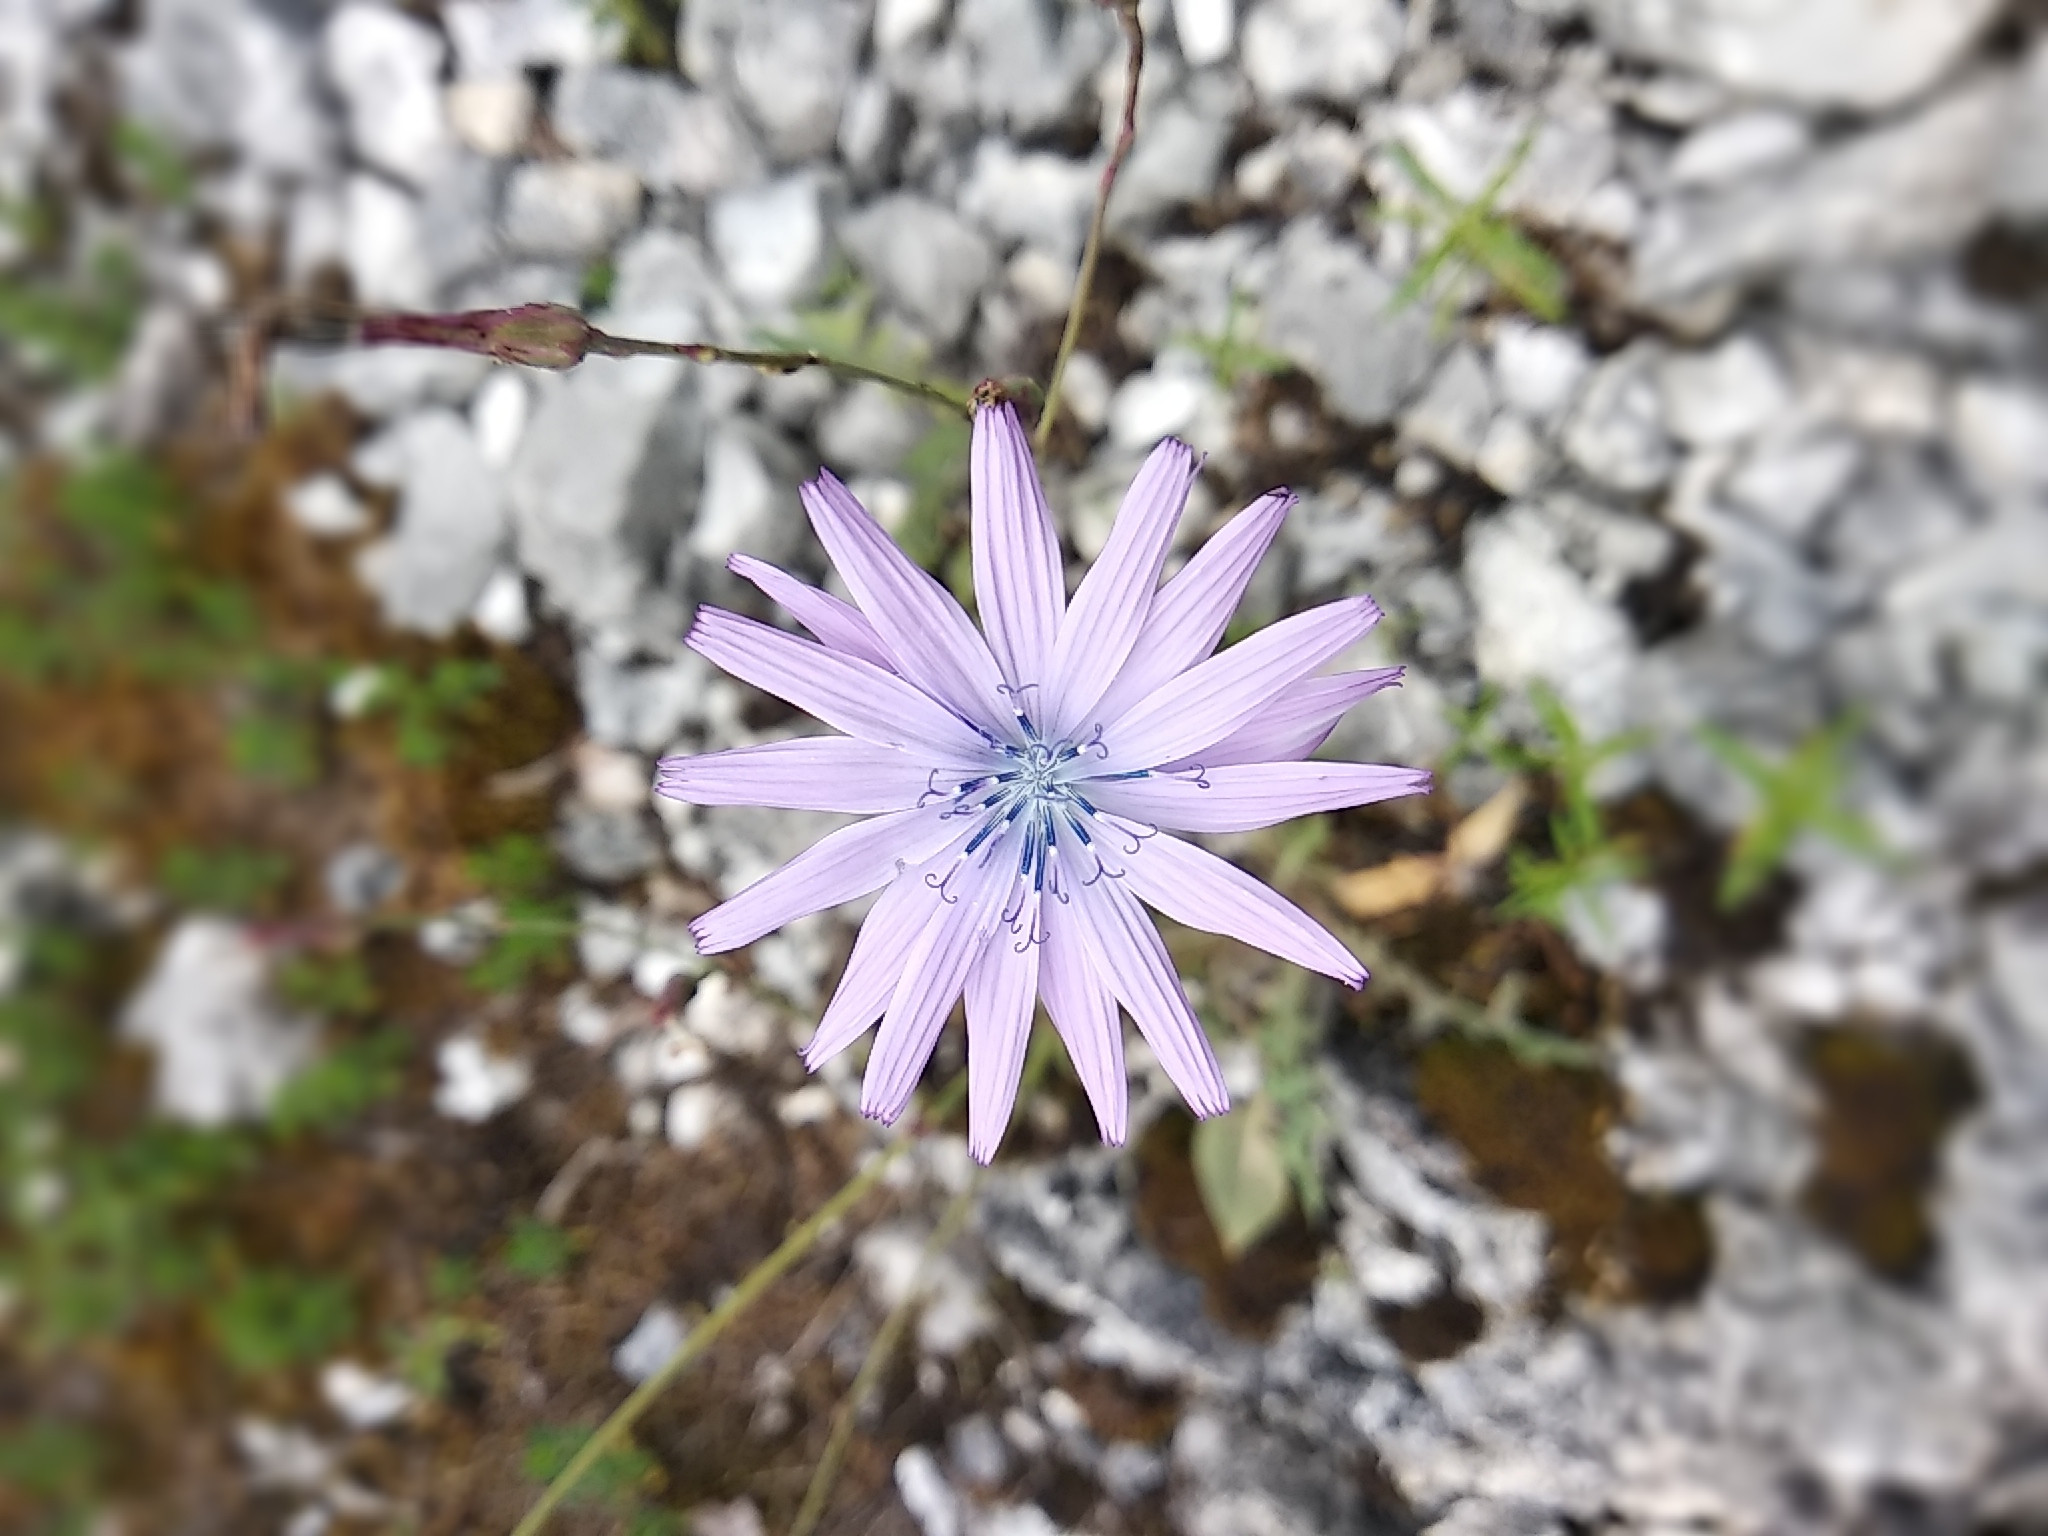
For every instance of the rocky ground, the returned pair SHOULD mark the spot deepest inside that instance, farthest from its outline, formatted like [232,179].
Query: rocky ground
[1673,376]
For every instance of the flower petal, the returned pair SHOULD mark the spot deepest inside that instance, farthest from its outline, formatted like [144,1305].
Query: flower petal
[847,694]
[932,641]
[1126,951]
[809,773]
[1083,1010]
[1213,698]
[1002,994]
[1300,718]
[1109,609]
[1242,797]
[838,867]
[1017,578]
[875,966]
[1189,614]
[836,623]
[934,971]
[1193,886]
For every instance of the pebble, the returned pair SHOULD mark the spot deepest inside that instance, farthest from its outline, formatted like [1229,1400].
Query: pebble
[1616,431]
[2000,429]
[492,117]
[386,67]
[654,1341]
[1722,395]
[476,1082]
[926,1494]
[325,507]
[694,1111]
[1334,51]
[362,1398]
[770,241]
[569,208]
[1538,368]
[925,260]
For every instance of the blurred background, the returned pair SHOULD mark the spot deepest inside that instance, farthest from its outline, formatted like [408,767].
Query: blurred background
[1671,373]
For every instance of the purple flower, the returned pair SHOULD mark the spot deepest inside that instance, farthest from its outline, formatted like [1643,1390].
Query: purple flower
[1021,790]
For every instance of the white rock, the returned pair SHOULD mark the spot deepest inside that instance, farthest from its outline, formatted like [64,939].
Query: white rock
[1179,157]
[1029,64]
[2000,428]
[2003,561]
[492,117]
[386,68]
[926,1494]
[869,429]
[498,415]
[652,1343]
[693,1112]
[1906,188]
[1861,54]
[925,260]
[1742,145]
[1538,368]
[812,1104]
[1170,399]
[791,60]
[223,1050]
[672,137]
[430,570]
[324,506]
[384,246]
[742,507]
[900,23]
[476,1083]
[569,209]
[1328,50]
[1882,393]
[500,612]
[207,75]
[729,1018]
[1325,306]
[770,241]
[1539,622]
[362,1398]
[1454,413]
[1722,395]
[1620,927]
[495,39]
[1616,431]
[2016,944]
[1205,30]
[1790,481]
[1034,198]
[1512,458]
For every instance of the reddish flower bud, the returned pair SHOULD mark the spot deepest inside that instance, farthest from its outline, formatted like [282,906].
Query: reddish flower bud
[535,335]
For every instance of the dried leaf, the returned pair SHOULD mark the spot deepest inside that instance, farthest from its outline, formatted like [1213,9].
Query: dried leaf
[1395,886]
[1481,838]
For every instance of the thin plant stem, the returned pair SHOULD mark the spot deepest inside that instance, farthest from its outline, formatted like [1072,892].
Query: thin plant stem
[949,399]
[893,1328]
[1127,130]
[750,1289]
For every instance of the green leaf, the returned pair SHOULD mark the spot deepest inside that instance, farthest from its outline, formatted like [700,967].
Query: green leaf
[538,1250]
[1241,1174]
[333,1092]
[226,879]
[617,1477]
[270,1319]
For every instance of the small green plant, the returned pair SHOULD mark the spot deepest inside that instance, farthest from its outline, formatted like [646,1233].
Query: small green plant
[538,1250]
[272,1319]
[225,879]
[109,583]
[428,707]
[420,1355]
[536,921]
[340,1088]
[598,279]
[153,163]
[336,985]
[75,326]
[1583,857]
[275,732]
[1254,1166]
[648,28]
[619,1481]
[1234,355]
[1799,794]
[1474,235]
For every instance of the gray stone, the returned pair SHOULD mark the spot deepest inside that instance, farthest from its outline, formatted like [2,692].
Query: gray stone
[1722,395]
[451,525]
[1029,62]
[1177,159]
[385,246]
[792,62]
[605,846]
[386,68]
[1325,306]
[2000,428]
[976,1449]
[1205,30]
[605,477]
[1910,187]
[645,707]
[1538,368]
[380,382]
[361,878]
[869,429]
[770,241]
[926,1494]
[223,1049]
[1453,415]
[214,74]
[1030,198]
[1616,432]
[1540,621]
[673,138]
[1337,51]
[1862,54]
[925,260]
[569,209]
[1730,148]
[1790,480]
[497,38]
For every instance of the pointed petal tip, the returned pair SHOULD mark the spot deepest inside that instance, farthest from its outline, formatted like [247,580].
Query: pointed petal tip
[983,1153]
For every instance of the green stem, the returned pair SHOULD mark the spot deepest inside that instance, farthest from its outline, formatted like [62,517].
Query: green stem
[1127,130]
[878,1355]
[721,1317]
[606,345]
